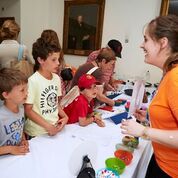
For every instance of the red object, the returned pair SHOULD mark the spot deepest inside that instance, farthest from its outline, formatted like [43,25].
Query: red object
[128,104]
[125,156]
[121,101]
[78,108]
[107,108]
[86,81]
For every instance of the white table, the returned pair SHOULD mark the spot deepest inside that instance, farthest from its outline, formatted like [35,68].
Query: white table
[49,156]
[52,157]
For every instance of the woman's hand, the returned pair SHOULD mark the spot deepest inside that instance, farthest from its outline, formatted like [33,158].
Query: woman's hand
[140,115]
[109,87]
[133,128]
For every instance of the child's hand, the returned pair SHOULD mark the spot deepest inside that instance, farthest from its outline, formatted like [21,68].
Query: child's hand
[24,143]
[140,115]
[99,121]
[61,123]
[52,130]
[18,150]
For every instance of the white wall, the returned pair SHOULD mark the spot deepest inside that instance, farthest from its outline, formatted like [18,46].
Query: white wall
[123,19]
[10,8]
[34,18]
[126,21]
[38,15]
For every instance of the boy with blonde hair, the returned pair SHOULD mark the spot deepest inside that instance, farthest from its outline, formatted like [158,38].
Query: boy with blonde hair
[13,90]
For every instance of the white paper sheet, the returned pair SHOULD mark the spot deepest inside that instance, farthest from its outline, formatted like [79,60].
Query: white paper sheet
[137,96]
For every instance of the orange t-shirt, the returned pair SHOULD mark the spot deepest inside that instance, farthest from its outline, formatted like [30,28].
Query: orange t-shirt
[163,113]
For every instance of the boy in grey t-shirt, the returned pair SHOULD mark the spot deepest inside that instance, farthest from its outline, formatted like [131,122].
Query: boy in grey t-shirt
[13,90]
[11,126]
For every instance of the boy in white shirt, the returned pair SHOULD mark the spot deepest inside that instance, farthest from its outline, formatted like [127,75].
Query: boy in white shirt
[45,116]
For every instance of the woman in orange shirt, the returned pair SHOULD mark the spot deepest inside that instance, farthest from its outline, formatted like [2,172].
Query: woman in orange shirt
[161,50]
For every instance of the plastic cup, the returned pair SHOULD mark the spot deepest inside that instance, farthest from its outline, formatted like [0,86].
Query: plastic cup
[124,155]
[115,164]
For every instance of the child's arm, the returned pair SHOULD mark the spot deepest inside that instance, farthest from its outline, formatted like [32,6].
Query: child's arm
[24,141]
[62,120]
[51,129]
[99,121]
[84,121]
[14,150]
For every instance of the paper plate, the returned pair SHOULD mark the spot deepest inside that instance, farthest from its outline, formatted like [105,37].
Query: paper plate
[106,172]
[76,159]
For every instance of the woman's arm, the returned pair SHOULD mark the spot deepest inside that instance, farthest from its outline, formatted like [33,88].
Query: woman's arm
[101,97]
[166,137]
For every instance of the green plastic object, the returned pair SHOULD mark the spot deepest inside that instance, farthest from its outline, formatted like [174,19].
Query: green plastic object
[115,164]
[120,146]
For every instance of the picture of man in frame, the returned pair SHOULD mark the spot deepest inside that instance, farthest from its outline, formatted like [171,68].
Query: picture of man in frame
[169,7]
[83,26]
[82,29]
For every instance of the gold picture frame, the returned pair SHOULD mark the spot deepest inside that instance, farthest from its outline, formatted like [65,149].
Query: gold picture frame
[164,7]
[83,26]
[169,7]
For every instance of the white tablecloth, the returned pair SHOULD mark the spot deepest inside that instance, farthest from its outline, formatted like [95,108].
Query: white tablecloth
[50,157]
[61,155]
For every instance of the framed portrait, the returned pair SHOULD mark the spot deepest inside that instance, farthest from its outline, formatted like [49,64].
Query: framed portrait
[83,26]
[169,7]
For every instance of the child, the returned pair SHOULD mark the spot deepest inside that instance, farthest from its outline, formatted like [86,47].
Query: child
[13,90]
[66,79]
[42,106]
[81,109]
